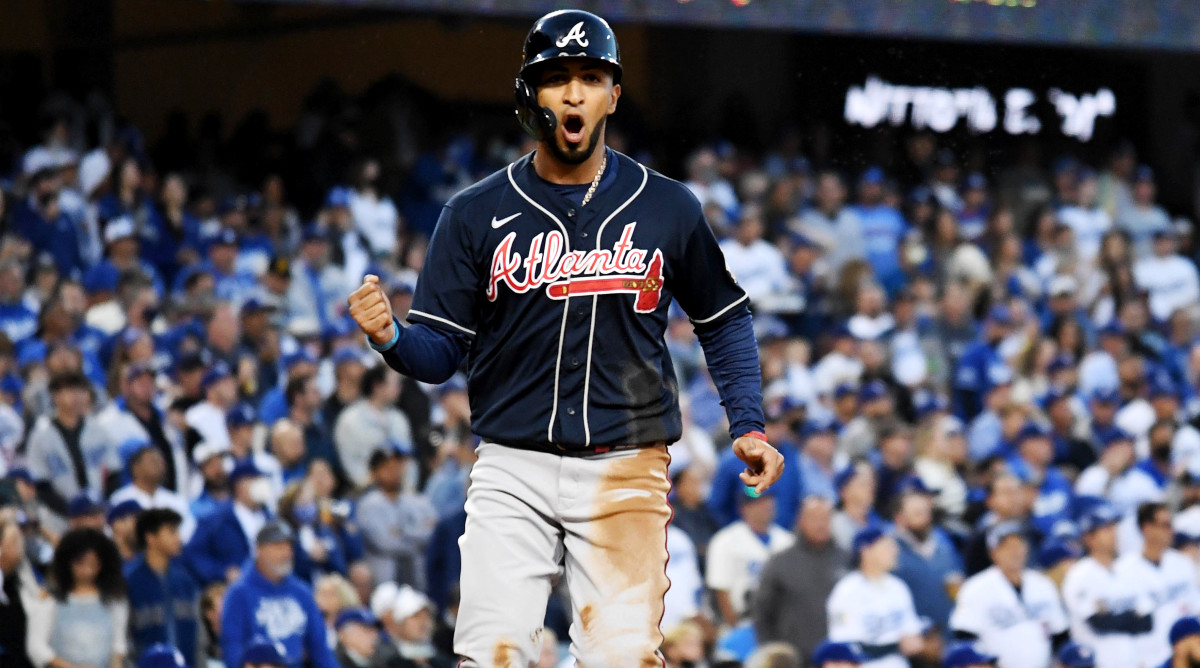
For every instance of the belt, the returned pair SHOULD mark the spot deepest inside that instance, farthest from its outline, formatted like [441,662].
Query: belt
[555,449]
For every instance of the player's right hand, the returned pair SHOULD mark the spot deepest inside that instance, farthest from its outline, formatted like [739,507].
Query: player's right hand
[372,310]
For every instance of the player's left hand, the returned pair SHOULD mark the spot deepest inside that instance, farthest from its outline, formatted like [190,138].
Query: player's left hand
[764,464]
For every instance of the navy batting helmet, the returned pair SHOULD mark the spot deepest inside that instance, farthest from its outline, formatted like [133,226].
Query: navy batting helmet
[567,33]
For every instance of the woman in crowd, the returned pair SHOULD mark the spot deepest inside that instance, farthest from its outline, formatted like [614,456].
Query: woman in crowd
[84,623]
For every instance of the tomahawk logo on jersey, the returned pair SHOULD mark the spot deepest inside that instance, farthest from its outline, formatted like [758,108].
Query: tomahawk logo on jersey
[519,254]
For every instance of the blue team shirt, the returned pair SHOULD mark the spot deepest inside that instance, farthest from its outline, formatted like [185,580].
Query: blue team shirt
[582,293]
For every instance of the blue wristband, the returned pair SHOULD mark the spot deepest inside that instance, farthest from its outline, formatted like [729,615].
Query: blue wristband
[387,346]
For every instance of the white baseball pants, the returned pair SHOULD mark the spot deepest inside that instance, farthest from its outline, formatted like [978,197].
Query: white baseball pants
[532,517]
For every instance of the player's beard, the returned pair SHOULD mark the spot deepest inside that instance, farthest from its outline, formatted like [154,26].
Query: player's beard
[577,155]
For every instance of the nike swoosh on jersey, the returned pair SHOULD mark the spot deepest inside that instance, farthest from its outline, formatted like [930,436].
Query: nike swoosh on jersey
[497,224]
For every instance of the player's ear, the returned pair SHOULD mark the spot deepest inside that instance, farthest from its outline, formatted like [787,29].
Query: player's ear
[613,96]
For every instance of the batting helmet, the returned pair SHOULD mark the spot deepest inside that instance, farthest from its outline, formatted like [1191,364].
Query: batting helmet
[567,33]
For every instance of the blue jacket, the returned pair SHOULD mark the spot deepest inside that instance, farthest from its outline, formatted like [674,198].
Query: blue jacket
[973,378]
[443,559]
[285,612]
[218,543]
[727,488]
[163,609]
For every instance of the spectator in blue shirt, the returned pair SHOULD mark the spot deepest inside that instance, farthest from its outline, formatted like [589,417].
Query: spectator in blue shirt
[164,600]
[981,366]
[883,229]
[268,600]
[1034,453]
[17,321]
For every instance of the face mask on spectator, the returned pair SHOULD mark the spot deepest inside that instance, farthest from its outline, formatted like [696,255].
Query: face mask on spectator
[260,491]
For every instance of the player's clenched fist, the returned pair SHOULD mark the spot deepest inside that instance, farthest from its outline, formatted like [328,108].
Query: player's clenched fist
[764,464]
[372,310]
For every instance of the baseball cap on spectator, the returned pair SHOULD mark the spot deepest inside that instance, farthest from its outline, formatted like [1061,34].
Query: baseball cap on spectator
[161,655]
[930,402]
[103,277]
[292,359]
[1000,315]
[873,390]
[138,369]
[872,175]
[386,453]
[1003,530]
[345,355]
[226,237]
[964,655]
[866,538]
[274,531]
[846,475]
[1074,655]
[230,204]
[244,469]
[339,327]
[1055,550]
[1113,328]
[12,384]
[1097,518]
[131,449]
[828,651]
[84,504]
[20,473]
[205,451]
[1143,174]
[355,616]
[802,241]
[911,484]
[1115,435]
[843,331]
[241,415]
[1163,233]
[409,602]
[217,372]
[844,390]
[1031,430]
[975,181]
[821,424]
[1106,395]
[383,599]
[1060,363]
[123,509]
[314,232]
[264,651]
[456,383]
[1162,387]
[255,305]
[121,227]
[338,197]
[1063,285]
[1184,628]
[398,285]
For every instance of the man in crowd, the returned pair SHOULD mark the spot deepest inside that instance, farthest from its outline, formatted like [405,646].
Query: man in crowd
[218,549]
[269,600]
[164,600]
[790,602]
[737,553]
[1012,610]
[396,525]
[147,469]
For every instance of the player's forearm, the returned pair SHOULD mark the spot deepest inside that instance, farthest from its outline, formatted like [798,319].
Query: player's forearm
[1128,622]
[424,353]
[732,356]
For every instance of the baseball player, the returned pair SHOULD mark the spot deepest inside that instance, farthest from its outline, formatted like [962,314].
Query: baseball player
[1106,612]
[1013,611]
[552,279]
[1168,576]
[874,608]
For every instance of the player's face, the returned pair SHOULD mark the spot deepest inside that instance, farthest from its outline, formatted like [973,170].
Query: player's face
[1011,554]
[581,94]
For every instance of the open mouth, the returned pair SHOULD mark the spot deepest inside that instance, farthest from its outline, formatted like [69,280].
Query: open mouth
[572,126]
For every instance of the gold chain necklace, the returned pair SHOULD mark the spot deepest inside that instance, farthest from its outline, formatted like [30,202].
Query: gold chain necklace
[587,197]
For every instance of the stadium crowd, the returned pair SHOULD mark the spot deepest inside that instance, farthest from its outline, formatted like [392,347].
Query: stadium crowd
[985,384]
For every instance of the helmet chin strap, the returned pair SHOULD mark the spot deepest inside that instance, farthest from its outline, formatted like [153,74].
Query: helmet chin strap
[540,122]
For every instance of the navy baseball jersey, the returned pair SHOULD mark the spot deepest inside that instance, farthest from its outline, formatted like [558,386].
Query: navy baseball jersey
[566,306]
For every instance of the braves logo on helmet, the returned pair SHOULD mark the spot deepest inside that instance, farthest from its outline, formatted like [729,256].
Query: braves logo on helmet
[623,269]
[575,34]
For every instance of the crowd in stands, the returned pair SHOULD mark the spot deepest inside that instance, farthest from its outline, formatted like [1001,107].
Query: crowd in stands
[985,385]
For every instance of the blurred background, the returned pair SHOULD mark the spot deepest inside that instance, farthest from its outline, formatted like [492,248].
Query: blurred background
[966,228]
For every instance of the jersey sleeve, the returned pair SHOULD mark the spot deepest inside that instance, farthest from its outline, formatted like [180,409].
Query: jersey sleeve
[1056,616]
[449,281]
[968,615]
[1079,599]
[703,283]
[844,620]
[720,566]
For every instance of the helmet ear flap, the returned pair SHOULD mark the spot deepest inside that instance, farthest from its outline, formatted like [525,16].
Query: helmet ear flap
[539,122]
